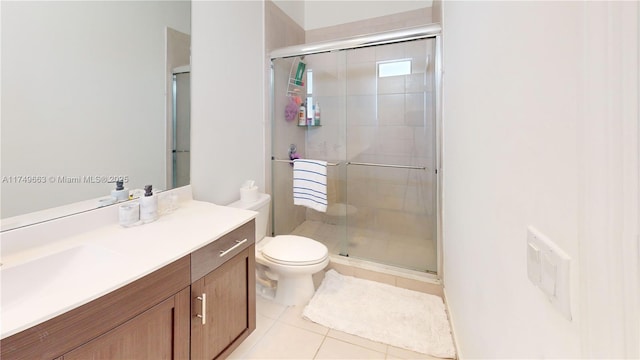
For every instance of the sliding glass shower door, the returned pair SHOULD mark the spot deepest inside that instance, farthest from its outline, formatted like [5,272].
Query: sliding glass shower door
[391,153]
[377,130]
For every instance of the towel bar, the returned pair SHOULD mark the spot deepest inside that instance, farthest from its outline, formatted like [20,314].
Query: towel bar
[291,161]
[363,164]
[388,165]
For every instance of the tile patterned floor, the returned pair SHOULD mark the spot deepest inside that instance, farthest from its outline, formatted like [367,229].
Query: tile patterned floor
[282,333]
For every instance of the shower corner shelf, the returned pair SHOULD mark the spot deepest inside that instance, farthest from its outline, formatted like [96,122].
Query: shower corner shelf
[309,126]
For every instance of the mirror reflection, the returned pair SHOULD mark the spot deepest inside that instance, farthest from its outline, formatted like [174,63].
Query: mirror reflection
[92,92]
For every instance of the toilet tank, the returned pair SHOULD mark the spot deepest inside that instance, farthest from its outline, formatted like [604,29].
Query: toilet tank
[261,205]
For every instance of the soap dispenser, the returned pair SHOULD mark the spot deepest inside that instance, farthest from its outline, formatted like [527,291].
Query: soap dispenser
[148,205]
[120,193]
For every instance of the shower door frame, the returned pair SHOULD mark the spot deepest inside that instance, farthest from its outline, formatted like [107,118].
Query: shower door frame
[433,31]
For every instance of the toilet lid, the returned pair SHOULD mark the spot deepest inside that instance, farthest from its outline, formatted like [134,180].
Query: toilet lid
[295,250]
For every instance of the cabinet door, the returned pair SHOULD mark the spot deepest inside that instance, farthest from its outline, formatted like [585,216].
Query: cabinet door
[161,332]
[229,307]
[75,328]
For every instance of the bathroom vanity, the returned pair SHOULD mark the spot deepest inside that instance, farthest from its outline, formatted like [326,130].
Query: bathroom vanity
[181,287]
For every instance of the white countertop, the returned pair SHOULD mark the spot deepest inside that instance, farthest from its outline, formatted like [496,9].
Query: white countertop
[124,254]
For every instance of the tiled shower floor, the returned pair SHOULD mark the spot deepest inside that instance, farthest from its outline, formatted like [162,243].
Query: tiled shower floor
[379,247]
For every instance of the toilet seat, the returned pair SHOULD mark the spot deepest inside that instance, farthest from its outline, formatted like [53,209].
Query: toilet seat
[295,250]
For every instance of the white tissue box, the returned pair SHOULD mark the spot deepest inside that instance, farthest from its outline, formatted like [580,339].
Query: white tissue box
[249,194]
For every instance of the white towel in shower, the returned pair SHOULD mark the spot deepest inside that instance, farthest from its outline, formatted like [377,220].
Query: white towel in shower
[310,184]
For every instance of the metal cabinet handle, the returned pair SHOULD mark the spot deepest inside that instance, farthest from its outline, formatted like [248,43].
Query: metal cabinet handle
[238,243]
[203,316]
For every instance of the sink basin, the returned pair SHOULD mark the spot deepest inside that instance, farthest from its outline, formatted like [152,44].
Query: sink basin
[59,280]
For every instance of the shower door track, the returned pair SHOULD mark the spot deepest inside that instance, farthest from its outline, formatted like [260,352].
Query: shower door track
[406,34]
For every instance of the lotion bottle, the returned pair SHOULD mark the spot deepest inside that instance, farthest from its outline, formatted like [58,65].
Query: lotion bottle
[120,193]
[148,205]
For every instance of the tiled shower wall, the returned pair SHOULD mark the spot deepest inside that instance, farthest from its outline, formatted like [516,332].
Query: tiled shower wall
[287,215]
[281,31]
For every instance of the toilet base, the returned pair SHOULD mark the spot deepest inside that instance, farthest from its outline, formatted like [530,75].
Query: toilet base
[294,289]
[294,283]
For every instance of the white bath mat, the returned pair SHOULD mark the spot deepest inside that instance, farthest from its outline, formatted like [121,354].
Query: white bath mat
[408,319]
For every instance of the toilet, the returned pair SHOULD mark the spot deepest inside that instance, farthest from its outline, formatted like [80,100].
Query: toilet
[291,260]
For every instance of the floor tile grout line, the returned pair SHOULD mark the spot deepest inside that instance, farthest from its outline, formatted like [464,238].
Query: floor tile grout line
[302,328]
[248,351]
[386,346]
[324,338]
[361,346]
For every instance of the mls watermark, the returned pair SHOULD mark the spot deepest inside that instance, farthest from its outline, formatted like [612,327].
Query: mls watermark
[63,179]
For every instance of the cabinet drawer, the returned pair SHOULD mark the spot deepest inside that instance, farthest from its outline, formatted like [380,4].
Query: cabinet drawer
[209,257]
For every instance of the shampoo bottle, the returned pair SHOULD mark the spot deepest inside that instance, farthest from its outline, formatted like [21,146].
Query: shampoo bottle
[316,115]
[302,116]
[148,205]
[300,73]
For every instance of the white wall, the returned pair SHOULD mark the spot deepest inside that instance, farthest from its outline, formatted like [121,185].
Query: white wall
[293,9]
[312,14]
[83,94]
[526,143]
[227,106]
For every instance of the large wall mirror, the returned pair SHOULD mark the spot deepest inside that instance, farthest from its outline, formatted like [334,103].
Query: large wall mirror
[92,92]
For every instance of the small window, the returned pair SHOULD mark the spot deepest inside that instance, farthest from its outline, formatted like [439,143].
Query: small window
[309,93]
[309,82]
[394,68]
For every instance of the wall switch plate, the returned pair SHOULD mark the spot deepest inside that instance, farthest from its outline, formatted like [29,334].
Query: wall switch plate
[550,270]
[548,275]
[533,263]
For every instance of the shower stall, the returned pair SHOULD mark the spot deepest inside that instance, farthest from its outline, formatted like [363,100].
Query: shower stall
[369,106]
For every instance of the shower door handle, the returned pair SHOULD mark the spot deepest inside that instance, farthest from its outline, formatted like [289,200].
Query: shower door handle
[388,165]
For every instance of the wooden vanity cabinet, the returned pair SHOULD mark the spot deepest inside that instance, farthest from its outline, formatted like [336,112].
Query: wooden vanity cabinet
[161,332]
[201,306]
[98,329]
[223,294]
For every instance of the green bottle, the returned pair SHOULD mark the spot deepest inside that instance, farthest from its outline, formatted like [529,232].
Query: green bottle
[300,73]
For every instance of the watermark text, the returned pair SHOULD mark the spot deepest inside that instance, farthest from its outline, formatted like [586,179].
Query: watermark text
[63,179]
